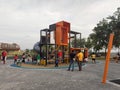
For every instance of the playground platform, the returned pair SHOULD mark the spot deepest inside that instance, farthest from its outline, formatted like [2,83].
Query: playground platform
[13,78]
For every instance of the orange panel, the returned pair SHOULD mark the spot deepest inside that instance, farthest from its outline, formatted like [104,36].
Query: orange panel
[64,36]
[61,33]
[58,35]
[64,24]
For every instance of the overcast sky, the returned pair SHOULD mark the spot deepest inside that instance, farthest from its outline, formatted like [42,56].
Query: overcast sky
[22,20]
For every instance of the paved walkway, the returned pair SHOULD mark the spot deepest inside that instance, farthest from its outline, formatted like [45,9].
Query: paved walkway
[12,78]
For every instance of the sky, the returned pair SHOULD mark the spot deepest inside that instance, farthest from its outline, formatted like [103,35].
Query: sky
[22,20]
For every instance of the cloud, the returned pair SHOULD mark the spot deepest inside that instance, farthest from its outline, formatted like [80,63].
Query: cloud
[22,20]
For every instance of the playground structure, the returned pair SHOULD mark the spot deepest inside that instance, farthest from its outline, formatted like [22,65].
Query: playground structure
[63,36]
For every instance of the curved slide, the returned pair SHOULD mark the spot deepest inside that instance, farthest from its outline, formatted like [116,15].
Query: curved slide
[36,47]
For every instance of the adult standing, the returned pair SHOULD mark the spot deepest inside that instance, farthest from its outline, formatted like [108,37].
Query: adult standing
[4,56]
[72,59]
[79,59]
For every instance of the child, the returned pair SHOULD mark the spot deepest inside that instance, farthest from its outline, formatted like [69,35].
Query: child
[38,59]
[93,57]
[86,59]
[28,57]
[23,57]
[4,56]
[59,54]
[15,58]
[56,63]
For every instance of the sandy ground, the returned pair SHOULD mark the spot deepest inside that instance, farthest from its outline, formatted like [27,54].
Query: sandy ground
[12,78]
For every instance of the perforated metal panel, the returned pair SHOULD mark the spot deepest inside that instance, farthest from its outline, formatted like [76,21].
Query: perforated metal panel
[116,81]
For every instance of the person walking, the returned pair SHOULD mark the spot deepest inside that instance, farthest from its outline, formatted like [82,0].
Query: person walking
[4,56]
[79,59]
[72,59]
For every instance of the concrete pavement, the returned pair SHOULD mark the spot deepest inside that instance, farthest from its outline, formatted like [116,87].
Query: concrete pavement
[12,78]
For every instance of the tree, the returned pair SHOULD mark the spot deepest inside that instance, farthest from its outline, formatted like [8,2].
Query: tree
[83,43]
[88,43]
[101,32]
[100,35]
[115,26]
[79,43]
[27,51]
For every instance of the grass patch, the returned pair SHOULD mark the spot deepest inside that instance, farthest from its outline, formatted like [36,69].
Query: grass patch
[98,58]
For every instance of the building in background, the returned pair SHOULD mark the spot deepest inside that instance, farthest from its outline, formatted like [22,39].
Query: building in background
[9,47]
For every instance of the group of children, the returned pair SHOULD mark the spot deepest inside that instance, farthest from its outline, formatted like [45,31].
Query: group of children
[28,57]
[37,58]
